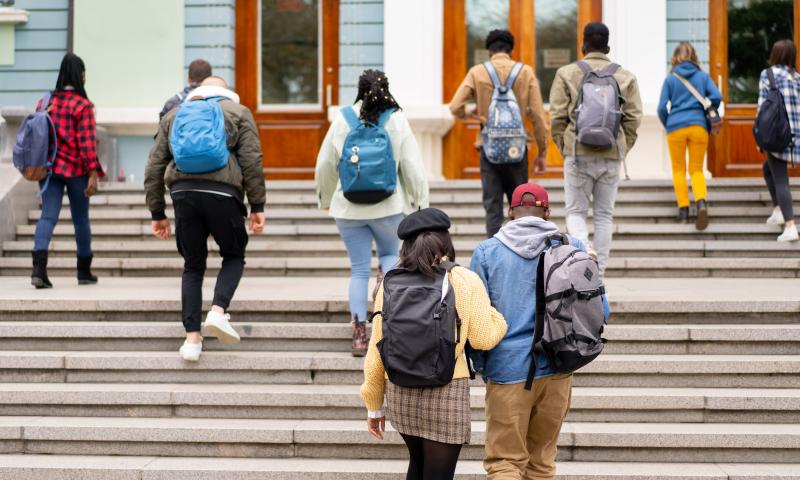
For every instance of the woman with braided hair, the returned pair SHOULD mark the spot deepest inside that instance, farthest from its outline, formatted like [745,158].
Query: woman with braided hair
[360,224]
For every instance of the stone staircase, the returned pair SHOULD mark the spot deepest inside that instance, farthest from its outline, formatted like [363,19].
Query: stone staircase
[700,379]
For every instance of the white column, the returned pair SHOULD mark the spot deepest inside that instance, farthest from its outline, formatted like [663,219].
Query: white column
[412,59]
[638,42]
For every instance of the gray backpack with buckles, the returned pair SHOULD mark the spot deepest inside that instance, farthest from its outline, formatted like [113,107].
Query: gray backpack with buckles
[598,114]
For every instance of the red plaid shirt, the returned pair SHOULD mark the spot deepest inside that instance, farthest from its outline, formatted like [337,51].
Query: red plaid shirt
[76,132]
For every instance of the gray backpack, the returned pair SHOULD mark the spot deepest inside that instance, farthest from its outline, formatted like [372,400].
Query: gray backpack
[504,136]
[35,140]
[598,115]
[570,316]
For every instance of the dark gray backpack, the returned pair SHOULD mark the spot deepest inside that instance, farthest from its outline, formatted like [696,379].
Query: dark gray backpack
[570,316]
[420,328]
[598,114]
[36,146]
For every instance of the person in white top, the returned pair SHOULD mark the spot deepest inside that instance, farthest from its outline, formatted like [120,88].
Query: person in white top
[361,223]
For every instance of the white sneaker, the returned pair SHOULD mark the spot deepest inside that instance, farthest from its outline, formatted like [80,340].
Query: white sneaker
[776,218]
[191,351]
[218,325]
[789,234]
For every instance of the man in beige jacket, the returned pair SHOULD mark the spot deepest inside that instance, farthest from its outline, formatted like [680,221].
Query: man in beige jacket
[592,175]
[499,180]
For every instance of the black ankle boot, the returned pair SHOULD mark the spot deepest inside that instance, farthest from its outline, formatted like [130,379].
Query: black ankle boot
[683,215]
[85,276]
[39,275]
[702,215]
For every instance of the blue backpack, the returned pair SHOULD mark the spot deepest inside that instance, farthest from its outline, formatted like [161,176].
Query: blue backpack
[35,139]
[367,169]
[198,139]
[504,136]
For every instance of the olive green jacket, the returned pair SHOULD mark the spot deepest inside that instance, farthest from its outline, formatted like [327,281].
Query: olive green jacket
[244,173]
[564,99]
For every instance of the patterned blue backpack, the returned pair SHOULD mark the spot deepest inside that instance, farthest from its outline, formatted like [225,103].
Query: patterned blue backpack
[198,139]
[367,168]
[504,136]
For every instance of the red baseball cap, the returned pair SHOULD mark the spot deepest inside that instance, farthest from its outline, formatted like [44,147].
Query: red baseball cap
[538,192]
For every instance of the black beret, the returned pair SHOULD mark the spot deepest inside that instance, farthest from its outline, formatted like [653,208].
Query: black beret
[425,220]
[500,36]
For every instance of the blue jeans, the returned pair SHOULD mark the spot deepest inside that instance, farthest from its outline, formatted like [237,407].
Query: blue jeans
[51,208]
[357,236]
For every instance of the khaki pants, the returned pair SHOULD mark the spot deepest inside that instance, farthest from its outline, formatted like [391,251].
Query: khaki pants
[522,427]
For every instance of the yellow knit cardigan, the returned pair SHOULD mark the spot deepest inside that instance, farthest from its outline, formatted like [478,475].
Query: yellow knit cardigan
[481,324]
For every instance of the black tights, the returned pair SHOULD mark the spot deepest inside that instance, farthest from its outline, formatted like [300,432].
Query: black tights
[431,460]
[777,177]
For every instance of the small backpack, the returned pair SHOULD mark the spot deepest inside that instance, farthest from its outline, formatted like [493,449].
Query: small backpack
[421,328]
[367,168]
[772,130]
[198,138]
[36,138]
[598,115]
[504,136]
[570,316]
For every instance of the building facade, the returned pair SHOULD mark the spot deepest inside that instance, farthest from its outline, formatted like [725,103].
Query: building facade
[293,62]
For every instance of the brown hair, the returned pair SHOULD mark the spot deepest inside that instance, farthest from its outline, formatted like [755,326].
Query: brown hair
[684,52]
[784,53]
[199,70]
[423,252]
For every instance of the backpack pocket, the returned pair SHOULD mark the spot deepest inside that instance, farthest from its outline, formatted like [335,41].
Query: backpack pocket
[445,361]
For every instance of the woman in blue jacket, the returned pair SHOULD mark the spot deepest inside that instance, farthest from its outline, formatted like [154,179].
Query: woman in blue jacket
[687,128]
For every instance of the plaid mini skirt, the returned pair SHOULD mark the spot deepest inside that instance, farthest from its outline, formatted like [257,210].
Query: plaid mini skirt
[441,414]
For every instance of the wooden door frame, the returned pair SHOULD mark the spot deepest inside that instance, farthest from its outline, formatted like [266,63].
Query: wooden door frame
[247,72]
[521,23]
[719,147]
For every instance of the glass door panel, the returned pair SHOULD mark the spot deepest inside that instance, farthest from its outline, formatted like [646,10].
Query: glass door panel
[483,16]
[556,39]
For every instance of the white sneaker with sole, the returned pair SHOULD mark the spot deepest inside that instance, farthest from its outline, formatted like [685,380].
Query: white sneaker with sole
[218,325]
[789,234]
[776,218]
[191,351]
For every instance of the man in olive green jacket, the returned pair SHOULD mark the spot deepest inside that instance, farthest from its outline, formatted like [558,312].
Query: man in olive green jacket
[590,174]
[209,204]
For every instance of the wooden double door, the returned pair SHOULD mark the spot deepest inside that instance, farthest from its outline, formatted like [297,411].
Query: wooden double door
[287,64]
[547,36]
[741,34]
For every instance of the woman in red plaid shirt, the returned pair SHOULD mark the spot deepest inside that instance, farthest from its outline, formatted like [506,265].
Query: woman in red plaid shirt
[75,170]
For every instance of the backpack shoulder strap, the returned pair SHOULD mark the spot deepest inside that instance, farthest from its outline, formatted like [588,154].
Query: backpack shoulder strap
[512,77]
[383,119]
[350,116]
[773,85]
[538,319]
[492,73]
[692,90]
[610,69]
[45,102]
[585,67]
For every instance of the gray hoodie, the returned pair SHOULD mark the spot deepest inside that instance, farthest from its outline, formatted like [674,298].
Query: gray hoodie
[526,236]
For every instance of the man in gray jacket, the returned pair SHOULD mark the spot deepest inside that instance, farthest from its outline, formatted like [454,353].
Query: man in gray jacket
[209,204]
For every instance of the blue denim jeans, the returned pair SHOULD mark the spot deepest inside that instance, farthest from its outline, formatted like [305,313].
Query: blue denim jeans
[52,199]
[358,236]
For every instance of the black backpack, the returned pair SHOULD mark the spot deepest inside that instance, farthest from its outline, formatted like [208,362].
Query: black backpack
[772,130]
[420,328]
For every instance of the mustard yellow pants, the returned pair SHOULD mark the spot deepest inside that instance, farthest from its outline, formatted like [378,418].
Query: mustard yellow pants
[695,140]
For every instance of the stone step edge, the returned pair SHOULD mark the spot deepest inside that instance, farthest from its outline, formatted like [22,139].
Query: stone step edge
[79,467]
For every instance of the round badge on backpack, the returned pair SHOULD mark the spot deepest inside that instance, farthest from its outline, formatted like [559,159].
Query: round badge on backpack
[513,152]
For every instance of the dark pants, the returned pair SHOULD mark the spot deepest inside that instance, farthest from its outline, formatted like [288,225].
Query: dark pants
[498,181]
[429,460]
[52,199]
[776,174]
[198,215]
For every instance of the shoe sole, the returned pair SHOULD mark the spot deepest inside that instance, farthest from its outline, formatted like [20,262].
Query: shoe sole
[788,240]
[87,282]
[702,219]
[39,283]
[190,359]
[359,353]
[223,336]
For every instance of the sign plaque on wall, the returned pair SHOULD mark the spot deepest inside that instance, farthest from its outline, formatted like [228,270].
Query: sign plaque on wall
[555,57]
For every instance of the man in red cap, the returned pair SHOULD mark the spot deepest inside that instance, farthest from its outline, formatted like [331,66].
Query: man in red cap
[522,426]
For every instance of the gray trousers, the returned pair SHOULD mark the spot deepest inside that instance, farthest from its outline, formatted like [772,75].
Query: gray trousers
[591,181]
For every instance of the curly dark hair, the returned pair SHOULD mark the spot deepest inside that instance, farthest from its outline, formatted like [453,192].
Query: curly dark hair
[373,91]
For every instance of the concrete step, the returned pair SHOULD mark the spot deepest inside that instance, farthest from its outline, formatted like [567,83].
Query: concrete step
[336,368]
[342,402]
[335,337]
[253,438]
[89,467]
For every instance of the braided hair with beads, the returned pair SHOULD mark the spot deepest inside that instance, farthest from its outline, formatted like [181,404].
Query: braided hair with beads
[373,91]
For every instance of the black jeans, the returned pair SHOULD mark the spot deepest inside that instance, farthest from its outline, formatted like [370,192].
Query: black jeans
[776,174]
[198,215]
[497,181]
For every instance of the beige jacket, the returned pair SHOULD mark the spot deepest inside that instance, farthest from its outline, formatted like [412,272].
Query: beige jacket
[564,98]
[478,87]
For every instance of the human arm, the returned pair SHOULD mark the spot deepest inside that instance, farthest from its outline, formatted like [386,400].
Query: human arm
[372,390]
[325,175]
[157,162]
[412,171]
[763,87]
[535,111]
[712,92]
[666,92]
[485,326]
[631,114]
[464,95]
[559,110]
[86,137]
[248,154]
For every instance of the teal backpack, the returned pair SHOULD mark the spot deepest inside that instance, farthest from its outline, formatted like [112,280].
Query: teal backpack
[198,139]
[367,168]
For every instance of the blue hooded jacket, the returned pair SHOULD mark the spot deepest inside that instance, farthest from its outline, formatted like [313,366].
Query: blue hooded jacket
[685,110]
[507,265]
